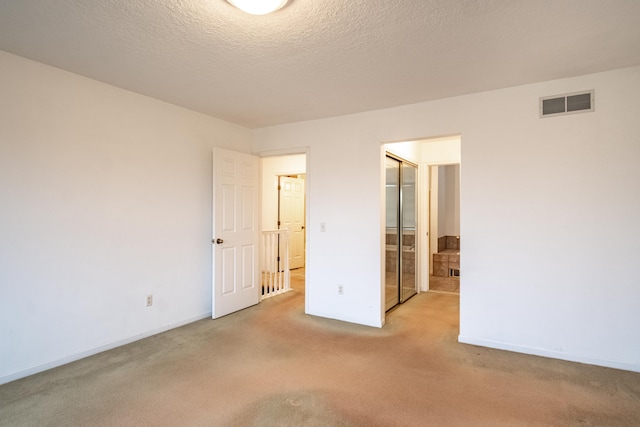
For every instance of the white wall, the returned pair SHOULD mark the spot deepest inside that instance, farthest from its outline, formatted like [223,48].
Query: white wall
[453,200]
[271,168]
[448,200]
[442,201]
[105,197]
[339,191]
[538,199]
[441,151]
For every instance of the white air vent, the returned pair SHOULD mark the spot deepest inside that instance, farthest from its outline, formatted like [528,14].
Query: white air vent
[569,103]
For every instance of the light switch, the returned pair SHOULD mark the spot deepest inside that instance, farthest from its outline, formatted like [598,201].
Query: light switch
[323,227]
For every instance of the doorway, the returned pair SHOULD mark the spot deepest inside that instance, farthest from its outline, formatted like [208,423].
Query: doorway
[401,230]
[245,187]
[444,228]
[428,154]
[290,169]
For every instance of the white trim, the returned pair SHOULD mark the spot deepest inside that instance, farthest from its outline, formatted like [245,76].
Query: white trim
[283,152]
[65,360]
[616,364]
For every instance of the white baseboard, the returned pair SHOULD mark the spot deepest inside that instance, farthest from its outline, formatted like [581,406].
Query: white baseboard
[41,368]
[550,353]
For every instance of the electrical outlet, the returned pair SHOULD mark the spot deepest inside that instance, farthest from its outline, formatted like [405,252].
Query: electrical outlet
[149,300]
[340,289]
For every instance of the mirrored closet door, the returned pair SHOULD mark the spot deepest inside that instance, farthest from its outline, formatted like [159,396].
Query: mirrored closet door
[400,239]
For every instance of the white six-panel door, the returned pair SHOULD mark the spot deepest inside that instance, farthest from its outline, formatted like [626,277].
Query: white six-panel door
[236,232]
[292,217]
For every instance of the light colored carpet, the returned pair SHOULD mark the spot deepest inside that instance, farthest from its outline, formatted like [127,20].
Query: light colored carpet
[272,365]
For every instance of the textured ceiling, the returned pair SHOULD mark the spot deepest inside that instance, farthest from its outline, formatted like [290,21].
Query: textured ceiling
[321,58]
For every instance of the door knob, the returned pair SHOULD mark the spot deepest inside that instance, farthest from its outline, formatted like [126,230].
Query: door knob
[219,241]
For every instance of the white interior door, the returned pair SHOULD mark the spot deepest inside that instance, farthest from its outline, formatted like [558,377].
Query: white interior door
[292,217]
[236,232]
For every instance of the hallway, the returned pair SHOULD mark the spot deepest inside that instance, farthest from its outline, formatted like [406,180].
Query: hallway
[273,365]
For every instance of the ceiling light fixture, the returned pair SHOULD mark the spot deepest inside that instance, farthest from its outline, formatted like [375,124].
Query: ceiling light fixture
[258,7]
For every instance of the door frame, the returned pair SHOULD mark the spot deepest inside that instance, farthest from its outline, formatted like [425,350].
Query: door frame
[417,148]
[307,182]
